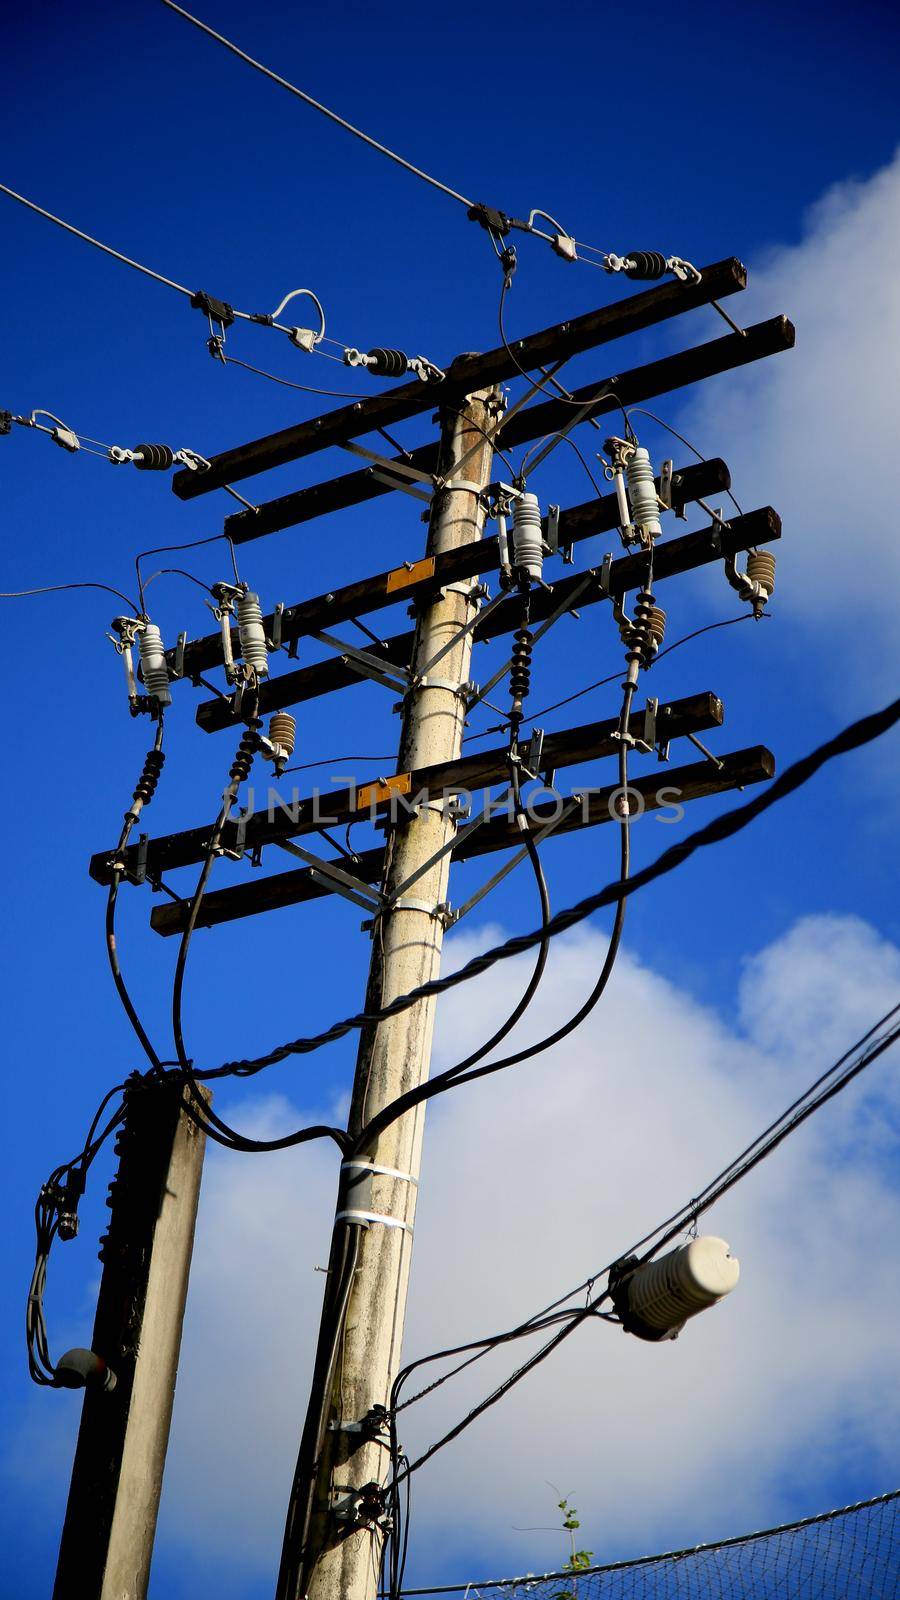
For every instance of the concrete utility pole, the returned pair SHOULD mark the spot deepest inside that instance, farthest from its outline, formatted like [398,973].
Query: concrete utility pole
[331,1551]
[107,1539]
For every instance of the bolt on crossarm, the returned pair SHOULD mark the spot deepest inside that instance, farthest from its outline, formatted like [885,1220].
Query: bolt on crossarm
[335,1526]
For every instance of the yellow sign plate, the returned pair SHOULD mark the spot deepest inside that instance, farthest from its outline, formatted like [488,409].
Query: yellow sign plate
[377,793]
[402,577]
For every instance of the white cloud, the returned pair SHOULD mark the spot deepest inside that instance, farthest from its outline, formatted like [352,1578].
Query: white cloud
[813,431]
[530,1180]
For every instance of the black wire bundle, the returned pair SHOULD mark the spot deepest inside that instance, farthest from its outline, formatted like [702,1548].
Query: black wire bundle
[873,1043]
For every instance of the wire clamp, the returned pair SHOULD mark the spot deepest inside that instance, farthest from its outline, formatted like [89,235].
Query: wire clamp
[360,1508]
[373,1426]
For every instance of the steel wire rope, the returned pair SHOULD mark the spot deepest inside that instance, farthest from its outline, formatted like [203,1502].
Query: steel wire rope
[316,105]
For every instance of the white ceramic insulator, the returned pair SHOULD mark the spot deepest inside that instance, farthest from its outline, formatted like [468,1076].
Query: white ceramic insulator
[642,493]
[528,537]
[153,663]
[664,1293]
[252,633]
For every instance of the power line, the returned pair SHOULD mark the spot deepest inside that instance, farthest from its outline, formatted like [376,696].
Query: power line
[283,83]
[58,588]
[853,737]
[97,243]
[825,1088]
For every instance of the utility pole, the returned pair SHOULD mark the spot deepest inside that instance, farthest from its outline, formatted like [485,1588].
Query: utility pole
[110,1524]
[331,1552]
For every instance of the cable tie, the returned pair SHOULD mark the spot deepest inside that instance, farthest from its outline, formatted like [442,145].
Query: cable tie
[388,1172]
[373,1216]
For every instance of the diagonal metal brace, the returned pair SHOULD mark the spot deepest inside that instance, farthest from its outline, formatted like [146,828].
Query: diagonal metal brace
[335,878]
[479,895]
[367,665]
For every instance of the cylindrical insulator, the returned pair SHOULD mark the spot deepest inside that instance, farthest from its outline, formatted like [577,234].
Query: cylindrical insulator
[761,568]
[243,759]
[283,730]
[153,663]
[145,788]
[642,491]
[647,264]
[520,671]
[528,538]
[153,457]
[655,624]
[663,1294]
[387,363]
[252,633]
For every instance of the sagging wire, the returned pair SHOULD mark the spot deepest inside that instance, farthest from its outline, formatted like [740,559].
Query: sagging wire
[221,314]
[854,736]
[61,588]
[189,544]
[826,1087]
[640,264]
[642,411]
[252,743]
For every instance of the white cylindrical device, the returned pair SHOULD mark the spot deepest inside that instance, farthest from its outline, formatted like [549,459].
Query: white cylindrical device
[153,663]
[253,635]
[663,1294]
[642,493]
[528,537]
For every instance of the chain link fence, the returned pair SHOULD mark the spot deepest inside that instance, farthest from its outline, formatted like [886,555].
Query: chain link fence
[851,1554]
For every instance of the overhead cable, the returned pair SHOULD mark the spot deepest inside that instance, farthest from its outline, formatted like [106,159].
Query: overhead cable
[855,736]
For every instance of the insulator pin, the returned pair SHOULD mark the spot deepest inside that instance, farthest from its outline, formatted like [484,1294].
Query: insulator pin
[252,633]
[153,663]
[153,457]
[528,536]
[283,731]
[642,491]
[645,264]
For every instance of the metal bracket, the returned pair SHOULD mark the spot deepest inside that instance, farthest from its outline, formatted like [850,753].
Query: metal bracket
[277,620]
[334,878]
[367,665]
[138,874]
[552,540]
[177,668]
[360,1508]
[650,713]
[373,1426]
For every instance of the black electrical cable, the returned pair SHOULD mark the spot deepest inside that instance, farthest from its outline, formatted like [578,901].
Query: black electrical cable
[177,572]
[686,442]
[189,544]
[288,383]
[745,616]
[564,398]
[151,768]
[854,1061]
[339,1285]
[453,1077]
[58,588]
[853,737]
[199,1109]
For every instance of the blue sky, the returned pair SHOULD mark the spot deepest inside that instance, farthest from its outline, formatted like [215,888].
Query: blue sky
[693,132]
